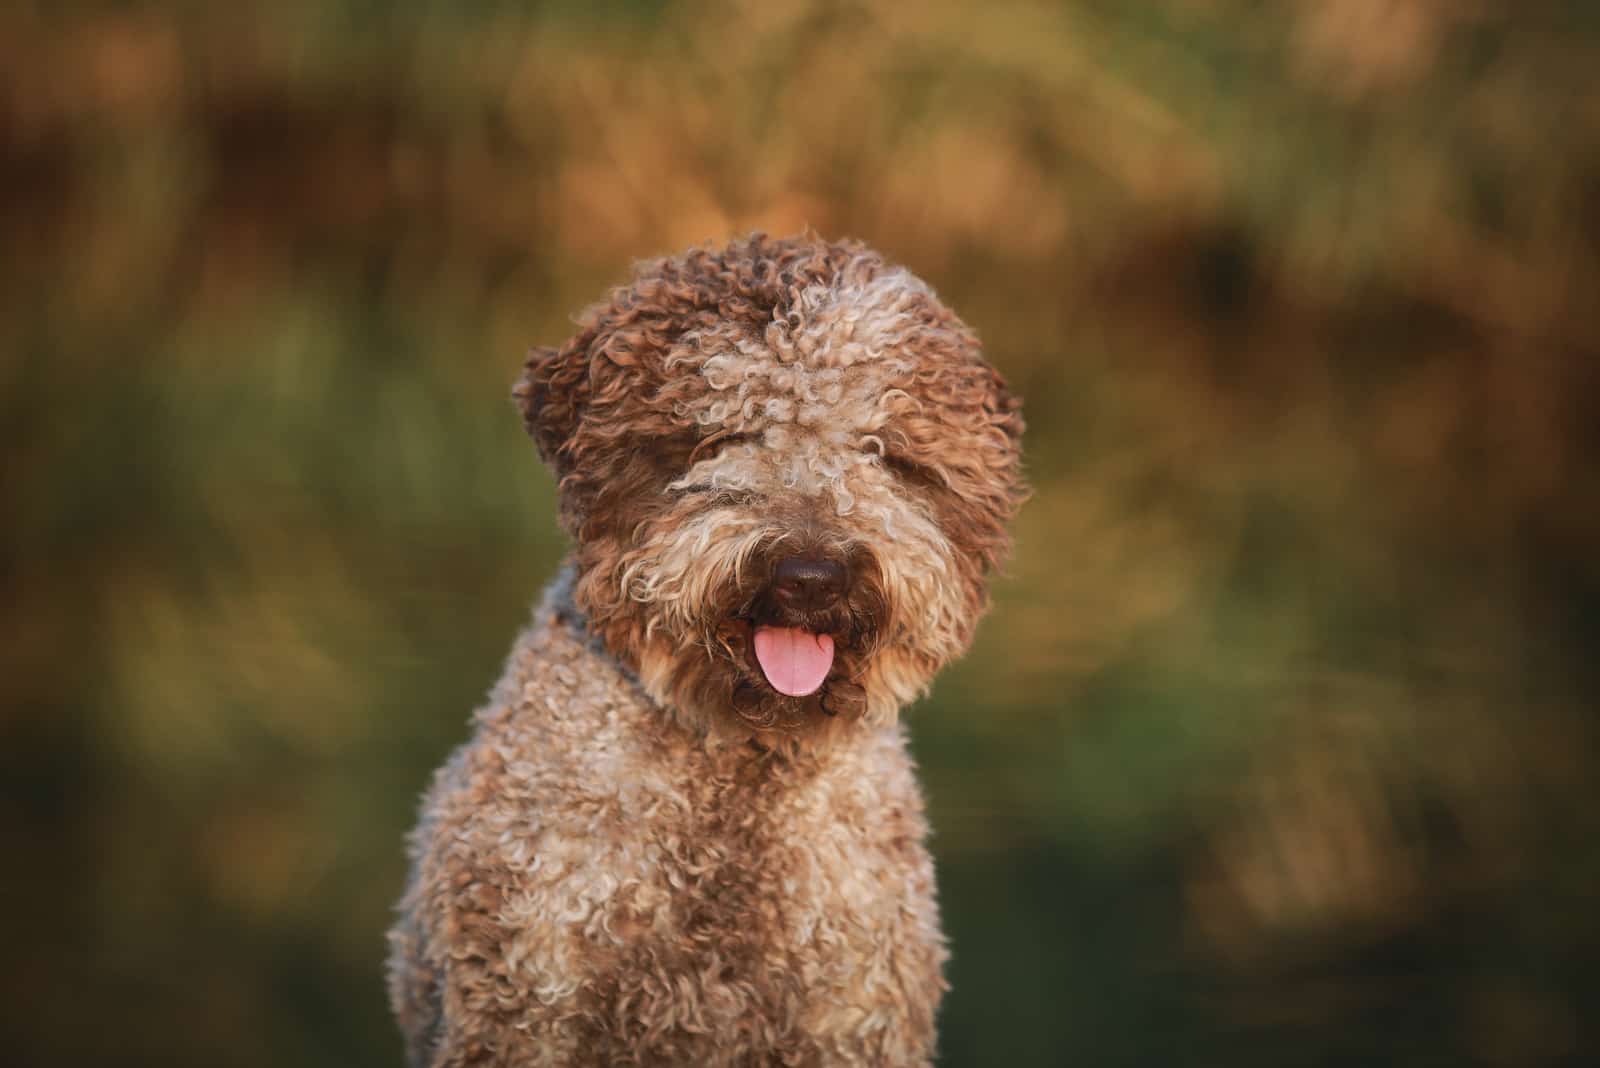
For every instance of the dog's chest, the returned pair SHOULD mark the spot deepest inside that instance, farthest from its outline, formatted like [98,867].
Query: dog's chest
[748,903]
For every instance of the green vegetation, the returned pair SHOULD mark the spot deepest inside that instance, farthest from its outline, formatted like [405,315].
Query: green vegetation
[1278,748]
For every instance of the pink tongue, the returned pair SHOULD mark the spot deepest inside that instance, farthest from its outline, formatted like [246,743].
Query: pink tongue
[795,661]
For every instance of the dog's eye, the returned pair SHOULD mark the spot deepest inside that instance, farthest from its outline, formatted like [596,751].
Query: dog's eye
[913,473]
[720,495]
[711,445]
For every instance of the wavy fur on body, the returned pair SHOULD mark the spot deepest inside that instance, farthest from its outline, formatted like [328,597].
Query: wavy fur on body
[647,854]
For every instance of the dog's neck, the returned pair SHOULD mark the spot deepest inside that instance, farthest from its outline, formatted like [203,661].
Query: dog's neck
[559,605]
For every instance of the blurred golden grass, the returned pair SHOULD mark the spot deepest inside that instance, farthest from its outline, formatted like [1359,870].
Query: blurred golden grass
[1288,691]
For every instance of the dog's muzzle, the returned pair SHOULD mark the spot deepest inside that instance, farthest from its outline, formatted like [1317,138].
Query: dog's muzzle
[794,652]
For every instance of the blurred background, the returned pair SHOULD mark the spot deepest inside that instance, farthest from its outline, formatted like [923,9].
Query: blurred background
[1278,747]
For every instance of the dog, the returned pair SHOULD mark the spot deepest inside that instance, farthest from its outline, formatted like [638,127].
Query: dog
[687,828]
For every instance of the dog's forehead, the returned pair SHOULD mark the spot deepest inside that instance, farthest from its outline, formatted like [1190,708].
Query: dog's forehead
[827,365]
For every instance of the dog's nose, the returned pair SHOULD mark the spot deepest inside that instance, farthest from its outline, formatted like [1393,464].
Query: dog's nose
[808,583]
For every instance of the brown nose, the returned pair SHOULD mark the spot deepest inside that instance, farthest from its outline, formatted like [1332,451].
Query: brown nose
[808,583]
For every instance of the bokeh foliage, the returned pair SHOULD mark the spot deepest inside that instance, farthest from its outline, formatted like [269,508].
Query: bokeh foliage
[1278,748]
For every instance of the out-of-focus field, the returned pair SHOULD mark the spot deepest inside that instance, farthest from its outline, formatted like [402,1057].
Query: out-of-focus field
[1279,746]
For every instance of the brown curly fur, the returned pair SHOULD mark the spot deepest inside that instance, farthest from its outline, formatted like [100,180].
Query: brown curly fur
[647,854]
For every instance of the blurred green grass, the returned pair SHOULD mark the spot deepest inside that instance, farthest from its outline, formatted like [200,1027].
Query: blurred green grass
[1278,747]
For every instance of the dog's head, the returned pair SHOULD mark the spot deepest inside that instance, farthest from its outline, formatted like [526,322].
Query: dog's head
[788,471]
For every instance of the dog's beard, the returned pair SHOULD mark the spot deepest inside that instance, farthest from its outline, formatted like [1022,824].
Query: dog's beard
[715,666]
[684,602]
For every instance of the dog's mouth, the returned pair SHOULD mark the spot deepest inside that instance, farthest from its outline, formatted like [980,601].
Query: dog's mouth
[795,661]
[798,640]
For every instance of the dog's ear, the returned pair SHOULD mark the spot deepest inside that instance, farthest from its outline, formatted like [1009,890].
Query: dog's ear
[1005,414]
[1004,408]
[551,394]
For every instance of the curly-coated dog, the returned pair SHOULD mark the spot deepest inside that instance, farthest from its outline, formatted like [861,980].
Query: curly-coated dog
[686,830]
